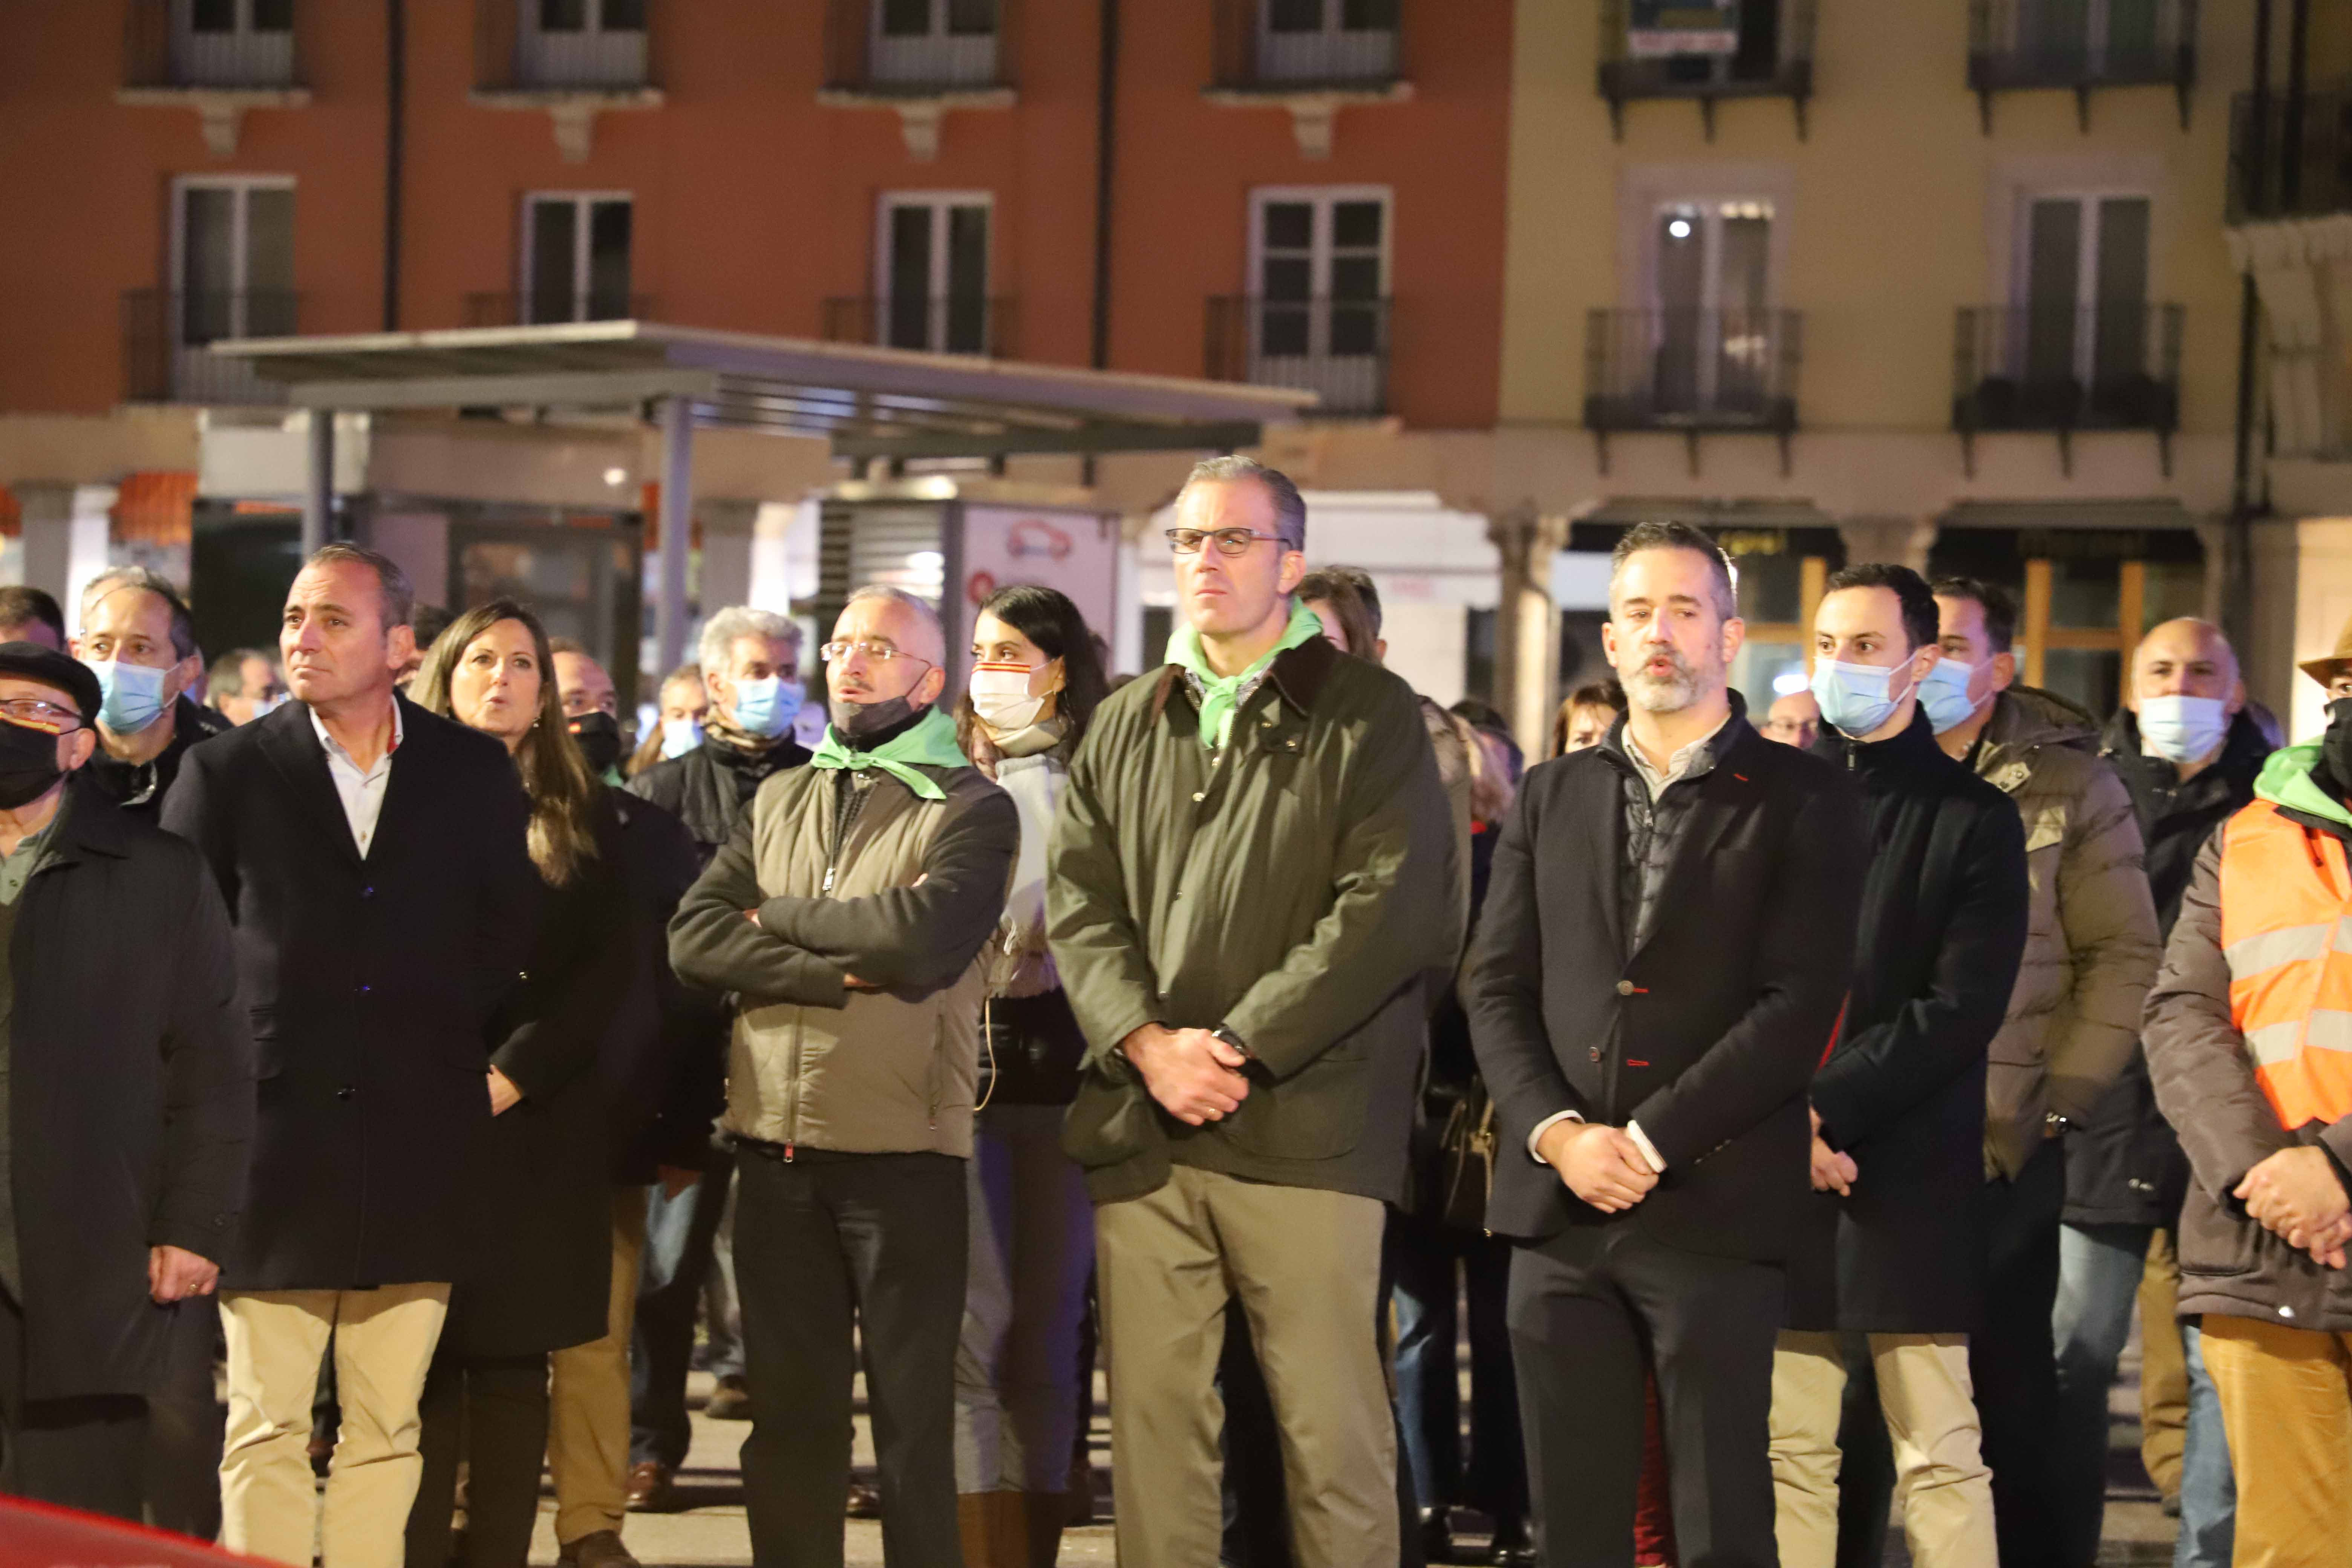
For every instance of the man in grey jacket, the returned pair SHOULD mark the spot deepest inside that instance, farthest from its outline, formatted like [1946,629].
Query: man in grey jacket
[847,914]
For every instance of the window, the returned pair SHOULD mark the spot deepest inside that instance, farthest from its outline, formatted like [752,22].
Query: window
[933,261]
[575,261]
[2082,272]
[2108,37]
[232,259]
[583,43]
[231,43]
[1319,315]
[1711,289]
[1755,57]
[933,41]
[1326,40]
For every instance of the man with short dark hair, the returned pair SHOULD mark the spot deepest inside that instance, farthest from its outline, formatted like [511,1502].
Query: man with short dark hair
[1244,876]
[138,637]
[372,857]
[244,685]
[29,614]
[126,1102]
[1899,1103]
[1667,939]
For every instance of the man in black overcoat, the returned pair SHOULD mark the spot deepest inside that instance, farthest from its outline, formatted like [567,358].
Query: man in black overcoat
[126,1100]
[374,859]
[1667,938]
[1899,1104]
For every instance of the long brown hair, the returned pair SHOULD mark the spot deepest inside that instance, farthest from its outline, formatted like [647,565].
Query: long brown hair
[554,774]
[1058,628]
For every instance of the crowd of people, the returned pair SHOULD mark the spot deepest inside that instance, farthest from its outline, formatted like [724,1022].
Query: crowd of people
[1789,1113]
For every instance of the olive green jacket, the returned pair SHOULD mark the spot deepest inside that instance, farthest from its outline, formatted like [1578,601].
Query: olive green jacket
[1294,888]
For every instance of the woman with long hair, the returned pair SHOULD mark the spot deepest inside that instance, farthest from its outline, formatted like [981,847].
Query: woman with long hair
[543,1279]
[1037,678]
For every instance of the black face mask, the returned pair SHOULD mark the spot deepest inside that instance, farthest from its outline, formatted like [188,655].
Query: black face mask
[2336,746]
[860,721]
[598,736]
[28,765]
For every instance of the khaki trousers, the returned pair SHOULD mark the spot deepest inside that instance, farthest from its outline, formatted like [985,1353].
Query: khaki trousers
[1941,1483]
[2286,1404]
[384,1340]
[2163,1368]
[1306,1268]
[588,1396]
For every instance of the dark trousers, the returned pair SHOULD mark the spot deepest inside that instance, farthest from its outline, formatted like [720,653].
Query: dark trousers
[824,1244]
[490,1412]
[88,1453]
[1423,1256]
[661,1339]
[185,1423]
[2013,1363]
[1589,1308]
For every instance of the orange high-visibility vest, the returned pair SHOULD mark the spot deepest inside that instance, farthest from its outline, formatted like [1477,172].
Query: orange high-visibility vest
[2287,933]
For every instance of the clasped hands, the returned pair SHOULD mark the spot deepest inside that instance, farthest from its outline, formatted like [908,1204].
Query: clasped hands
[2296,1196]
[1196,1076]
[1599,1163]
[1834,1172]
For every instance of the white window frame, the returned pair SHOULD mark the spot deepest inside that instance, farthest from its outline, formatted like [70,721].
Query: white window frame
[582,202]
[240,243]
[1346,51]
[1712,215]
[1324,199]
[2097,22]
[935,55]
[938,202]
[592,23]
[594,54]
[242,56]
[2087,198]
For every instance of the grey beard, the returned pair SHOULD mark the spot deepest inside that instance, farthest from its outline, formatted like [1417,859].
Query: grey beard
[1670,695]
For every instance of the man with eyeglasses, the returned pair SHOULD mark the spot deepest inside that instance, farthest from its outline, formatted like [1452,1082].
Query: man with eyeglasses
[847,914]
[128,1055]
[1249,877]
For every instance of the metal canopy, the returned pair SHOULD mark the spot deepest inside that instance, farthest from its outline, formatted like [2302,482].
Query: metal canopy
[869,402]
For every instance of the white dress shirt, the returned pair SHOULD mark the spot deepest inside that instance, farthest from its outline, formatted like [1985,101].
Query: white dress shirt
[361,792]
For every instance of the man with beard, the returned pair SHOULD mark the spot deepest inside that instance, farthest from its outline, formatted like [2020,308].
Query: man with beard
[1667,942]
[847,914]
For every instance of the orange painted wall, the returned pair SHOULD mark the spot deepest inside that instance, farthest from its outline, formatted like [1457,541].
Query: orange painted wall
[755,203]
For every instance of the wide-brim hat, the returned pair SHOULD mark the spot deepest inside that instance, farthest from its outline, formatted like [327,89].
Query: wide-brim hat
[2324,670]
[32,661]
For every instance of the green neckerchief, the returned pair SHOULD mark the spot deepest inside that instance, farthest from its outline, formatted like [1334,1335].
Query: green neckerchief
[932,742]
[1221,694]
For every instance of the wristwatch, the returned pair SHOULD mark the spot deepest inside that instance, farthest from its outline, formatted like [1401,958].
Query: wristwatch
[1222,1033]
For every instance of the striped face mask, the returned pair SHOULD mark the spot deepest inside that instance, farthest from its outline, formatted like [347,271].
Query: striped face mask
[1000,695]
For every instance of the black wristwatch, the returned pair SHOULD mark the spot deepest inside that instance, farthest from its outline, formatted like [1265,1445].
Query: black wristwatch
[1222,1033]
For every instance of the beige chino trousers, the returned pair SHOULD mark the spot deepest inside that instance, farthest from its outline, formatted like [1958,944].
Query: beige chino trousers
[588,1396]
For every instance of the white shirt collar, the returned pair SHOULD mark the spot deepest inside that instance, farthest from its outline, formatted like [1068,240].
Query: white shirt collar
[335,747]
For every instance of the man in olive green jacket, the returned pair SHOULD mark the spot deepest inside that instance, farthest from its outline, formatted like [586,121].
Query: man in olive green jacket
[1249,877]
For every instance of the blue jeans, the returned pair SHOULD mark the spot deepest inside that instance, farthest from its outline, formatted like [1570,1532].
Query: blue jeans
[1421,1257]
[2099,1268]
[2209,1485]
[679,1237]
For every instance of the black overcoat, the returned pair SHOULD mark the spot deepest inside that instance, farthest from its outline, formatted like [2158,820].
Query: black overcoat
[1902,1091]
[130,1102]
[1707,1032]
[371,986]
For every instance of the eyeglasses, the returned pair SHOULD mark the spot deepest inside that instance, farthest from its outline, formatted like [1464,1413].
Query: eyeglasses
[879,652]
[35,713]
[1231,541]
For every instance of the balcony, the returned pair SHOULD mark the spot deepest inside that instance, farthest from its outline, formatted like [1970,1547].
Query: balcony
[1774,59]
[219,57]
[2296,163]
[1338,349]
[1310,57]
[952,324]
[571,60]
[1696,372]
[2058,370]
[920,59]
[2081,45]
[165,336]
[509,310]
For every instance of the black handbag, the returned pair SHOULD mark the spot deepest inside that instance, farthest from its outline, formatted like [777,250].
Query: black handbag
[1465,1160]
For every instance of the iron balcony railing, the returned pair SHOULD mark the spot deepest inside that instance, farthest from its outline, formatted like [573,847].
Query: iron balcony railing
[1774,59]
[954,323]
[564,45]
[1281,46]
[544,307]
[2063,368]
[1692,370]
[2294,161]
[1336,347]
[164,338]
[917,48]
[210,45]
[2081,45]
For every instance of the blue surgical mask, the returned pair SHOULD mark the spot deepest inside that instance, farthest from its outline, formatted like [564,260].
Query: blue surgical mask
[679,736]
[132,694]
[766,708]
[1945,694]
[2182,728]
[1854,697]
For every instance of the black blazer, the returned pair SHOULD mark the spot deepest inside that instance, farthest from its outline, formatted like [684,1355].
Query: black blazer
[370,987]
[130,1094]
[1707,1033]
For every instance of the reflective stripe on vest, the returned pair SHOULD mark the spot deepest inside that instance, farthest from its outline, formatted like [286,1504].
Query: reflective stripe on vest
[2286,935]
